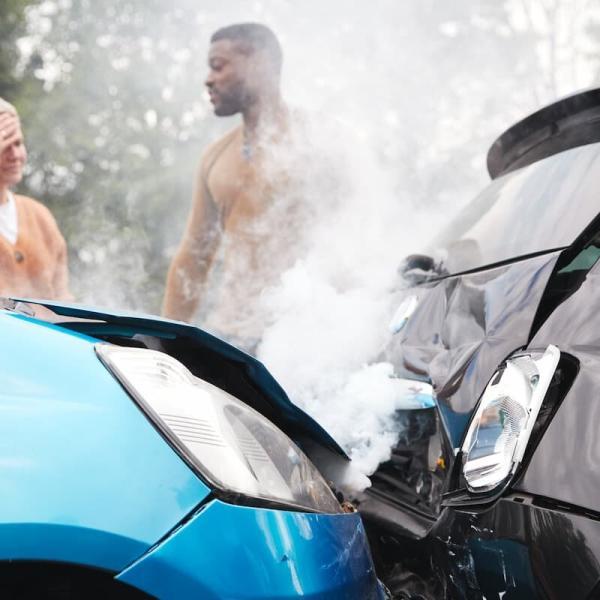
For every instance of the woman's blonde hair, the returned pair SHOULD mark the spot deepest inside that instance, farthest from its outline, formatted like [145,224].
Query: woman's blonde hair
[7,107]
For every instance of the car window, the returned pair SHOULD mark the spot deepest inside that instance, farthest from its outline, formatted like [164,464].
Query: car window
[540,207]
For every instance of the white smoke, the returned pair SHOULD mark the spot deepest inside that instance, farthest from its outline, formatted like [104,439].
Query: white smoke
[404,100]
[328,314]
[376,99]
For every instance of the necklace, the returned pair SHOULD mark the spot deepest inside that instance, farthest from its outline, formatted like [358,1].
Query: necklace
[247,149]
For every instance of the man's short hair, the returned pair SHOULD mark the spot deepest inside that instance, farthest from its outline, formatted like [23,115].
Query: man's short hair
[253,37]
[6,106]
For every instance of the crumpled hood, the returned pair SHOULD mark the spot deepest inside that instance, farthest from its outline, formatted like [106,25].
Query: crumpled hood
[205,355]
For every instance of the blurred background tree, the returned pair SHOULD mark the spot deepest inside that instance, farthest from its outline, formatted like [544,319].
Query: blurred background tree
[13,26]
[110,153]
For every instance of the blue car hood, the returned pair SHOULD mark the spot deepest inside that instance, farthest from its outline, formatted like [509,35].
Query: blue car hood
[84,475]
[269,398]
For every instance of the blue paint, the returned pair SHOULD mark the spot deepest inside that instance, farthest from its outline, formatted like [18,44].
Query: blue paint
[254,370]
[242,553]
[79,462]
[86,479]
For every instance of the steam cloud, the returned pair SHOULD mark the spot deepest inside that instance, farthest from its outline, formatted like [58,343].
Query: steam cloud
[402,104]
[328,314]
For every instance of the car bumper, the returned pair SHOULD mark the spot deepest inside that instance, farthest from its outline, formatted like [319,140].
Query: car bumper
[523,547]
[230,551]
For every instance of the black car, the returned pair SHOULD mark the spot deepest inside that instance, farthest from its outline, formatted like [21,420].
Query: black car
[493,489]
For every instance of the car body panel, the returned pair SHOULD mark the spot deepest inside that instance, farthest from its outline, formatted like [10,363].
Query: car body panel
[516,550]
[538,208]
[85,476]
[464,326]
[565,463]
[236,552]
[88,481]
[518,270]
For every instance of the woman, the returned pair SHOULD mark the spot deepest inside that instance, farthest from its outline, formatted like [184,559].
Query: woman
[33,253]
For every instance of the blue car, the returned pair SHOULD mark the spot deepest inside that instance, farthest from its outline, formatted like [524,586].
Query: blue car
[145,458]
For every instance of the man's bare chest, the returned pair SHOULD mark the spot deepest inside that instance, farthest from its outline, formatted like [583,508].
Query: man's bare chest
[241,188]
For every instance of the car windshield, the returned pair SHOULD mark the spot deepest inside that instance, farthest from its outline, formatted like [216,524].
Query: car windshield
[537,208]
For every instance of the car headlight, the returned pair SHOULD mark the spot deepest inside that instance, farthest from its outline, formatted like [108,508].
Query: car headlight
[499,432]
[403,313]
[228,443]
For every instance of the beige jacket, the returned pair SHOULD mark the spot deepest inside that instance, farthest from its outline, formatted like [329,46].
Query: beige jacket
[35,266]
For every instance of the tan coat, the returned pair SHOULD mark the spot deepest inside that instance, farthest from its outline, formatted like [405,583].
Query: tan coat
[36,265]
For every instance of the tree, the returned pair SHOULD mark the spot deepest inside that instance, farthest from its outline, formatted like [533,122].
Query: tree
[16,83]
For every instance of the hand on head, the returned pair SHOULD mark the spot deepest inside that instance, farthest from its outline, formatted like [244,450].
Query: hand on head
[10,130]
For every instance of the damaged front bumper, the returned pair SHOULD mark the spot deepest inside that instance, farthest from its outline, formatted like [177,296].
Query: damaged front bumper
[227,551]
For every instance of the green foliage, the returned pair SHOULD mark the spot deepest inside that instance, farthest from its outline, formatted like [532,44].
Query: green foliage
[110,156]
[13,86]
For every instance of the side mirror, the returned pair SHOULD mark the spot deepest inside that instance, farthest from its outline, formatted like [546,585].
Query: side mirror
[417,268]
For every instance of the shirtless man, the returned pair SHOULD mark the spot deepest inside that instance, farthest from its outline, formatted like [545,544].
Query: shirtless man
[238,185]
[33,253]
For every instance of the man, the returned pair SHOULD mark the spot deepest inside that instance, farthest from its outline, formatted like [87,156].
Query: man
[33,253]
[241,227]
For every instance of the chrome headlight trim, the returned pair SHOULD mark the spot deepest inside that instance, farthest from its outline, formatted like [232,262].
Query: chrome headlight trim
[499,432]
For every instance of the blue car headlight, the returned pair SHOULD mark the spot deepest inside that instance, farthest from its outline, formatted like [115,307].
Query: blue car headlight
[229,444]
[501,427]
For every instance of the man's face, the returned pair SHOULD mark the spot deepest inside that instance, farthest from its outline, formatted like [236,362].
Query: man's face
[230,82]
[12,161]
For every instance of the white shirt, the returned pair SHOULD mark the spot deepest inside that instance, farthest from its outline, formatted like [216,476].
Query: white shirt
[9,225]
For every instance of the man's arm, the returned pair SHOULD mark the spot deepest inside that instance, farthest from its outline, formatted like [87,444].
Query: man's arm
[190,266]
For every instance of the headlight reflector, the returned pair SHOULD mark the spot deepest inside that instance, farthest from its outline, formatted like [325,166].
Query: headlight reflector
[230,444]
[499,432]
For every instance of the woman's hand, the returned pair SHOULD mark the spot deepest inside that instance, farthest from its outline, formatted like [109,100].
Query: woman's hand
[10,130]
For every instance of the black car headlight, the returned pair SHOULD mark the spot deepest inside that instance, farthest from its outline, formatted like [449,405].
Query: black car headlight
[230,445]
[507,411]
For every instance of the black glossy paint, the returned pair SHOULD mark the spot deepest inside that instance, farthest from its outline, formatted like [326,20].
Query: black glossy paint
[566,463]
[516,550]
[540,538]
[541,207]
[569,122]
[539,535]
[464,327]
